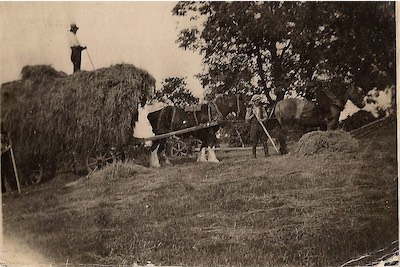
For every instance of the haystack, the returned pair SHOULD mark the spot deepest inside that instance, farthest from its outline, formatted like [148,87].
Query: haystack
[330,141]
[53,115]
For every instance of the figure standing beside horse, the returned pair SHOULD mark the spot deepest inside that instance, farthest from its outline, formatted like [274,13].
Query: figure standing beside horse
[255,115]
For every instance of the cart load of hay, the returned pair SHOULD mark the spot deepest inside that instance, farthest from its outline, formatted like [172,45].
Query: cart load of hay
[330,141]
[51,116]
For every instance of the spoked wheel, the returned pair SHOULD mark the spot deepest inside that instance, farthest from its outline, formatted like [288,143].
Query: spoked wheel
[98,161]
[179,149]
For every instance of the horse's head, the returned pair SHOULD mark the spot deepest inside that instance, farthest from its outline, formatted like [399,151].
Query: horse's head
[356,96]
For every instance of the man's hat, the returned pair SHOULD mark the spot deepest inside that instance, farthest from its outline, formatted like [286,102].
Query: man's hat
[255,98]
[73,27]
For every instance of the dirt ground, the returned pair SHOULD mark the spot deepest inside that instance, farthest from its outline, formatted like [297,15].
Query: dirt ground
[17,252]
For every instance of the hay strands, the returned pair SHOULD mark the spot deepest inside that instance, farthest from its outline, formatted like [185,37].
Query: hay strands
[177,132]
[50,114]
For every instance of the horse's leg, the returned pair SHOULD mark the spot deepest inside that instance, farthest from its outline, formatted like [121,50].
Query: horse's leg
[202,154]
[265,145]
[211,155]
[163,155]
[282,136]
[154,161]
[333,118]
[212,143]
[201,135]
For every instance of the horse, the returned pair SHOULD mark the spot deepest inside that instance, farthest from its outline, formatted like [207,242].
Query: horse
[171,118]
[324,113]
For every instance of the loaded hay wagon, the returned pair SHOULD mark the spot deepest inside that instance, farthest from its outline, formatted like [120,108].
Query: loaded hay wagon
[56,119]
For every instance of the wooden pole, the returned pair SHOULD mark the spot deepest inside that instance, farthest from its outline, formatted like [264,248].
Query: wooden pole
[90,59]
[177,132]
[363,128]
[265,130]
[240,137]
[15,170]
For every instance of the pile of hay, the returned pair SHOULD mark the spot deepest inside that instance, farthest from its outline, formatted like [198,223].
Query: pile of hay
[330,141]
[52,115]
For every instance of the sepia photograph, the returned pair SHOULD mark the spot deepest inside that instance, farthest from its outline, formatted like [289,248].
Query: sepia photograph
[201,133]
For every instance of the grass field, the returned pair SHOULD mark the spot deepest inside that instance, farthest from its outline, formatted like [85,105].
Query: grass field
[319,210]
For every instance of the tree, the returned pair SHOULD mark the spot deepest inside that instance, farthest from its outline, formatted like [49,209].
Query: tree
[347,42]
[291,45]
[175,90]
[238,42]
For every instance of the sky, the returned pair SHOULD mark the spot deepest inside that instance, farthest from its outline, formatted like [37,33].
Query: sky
[140,33]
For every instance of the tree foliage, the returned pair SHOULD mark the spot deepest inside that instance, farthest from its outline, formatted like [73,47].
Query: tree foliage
[174,89]
[291,45]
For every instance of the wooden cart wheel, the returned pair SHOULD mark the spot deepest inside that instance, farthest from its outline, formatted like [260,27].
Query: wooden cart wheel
[99,160]
[179,149]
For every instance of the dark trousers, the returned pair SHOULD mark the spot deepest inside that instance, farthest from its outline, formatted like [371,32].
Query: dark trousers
[257,134]
[77,65]
[76,56]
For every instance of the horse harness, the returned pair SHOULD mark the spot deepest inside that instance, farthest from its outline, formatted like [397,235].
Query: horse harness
[172,118]
[211,105]
[220,115]
[214,104]
[209,113]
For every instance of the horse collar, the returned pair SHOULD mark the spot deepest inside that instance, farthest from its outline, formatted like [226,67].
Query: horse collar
[217,109]
[173,117]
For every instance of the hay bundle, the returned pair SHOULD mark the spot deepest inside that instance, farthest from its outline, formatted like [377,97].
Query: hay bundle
[40,72]
[50,114]
[329,141]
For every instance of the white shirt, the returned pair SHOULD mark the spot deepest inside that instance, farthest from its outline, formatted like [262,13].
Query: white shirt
[73,41]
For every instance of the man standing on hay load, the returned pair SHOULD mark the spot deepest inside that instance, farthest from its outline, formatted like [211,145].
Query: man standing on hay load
[254,111]
[76,48]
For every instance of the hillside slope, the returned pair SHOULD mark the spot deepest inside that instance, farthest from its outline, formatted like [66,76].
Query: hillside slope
[319,210]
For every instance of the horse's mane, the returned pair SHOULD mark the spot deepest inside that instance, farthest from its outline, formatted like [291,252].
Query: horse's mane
[332,94]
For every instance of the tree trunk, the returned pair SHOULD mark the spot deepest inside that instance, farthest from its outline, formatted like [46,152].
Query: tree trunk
[277,71]
[261,72]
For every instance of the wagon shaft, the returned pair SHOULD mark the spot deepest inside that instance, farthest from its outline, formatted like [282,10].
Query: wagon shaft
[177,132]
